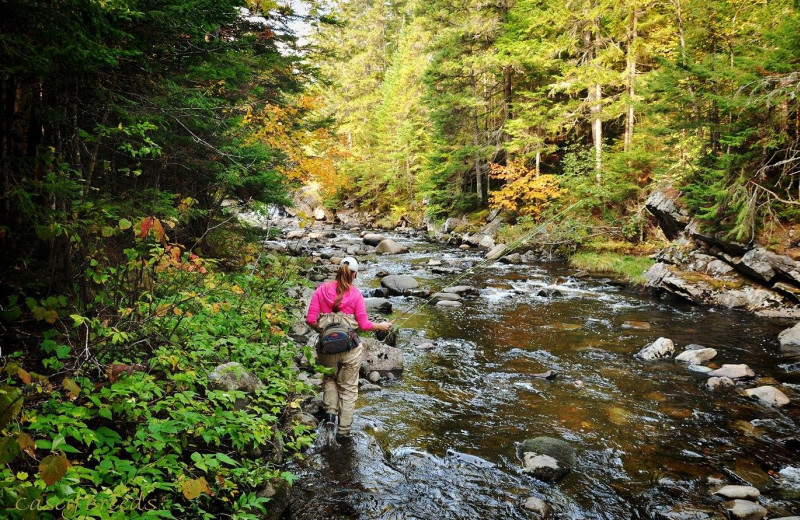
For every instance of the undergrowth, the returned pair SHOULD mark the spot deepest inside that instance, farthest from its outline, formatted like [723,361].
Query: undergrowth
[112,415]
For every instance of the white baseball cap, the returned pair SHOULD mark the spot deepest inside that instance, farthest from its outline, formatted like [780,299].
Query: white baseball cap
[351,262]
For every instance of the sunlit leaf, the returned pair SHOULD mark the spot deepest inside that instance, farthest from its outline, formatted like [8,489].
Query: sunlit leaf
[26,444]
[53,468]
[196,487]
[72,388]
[124,224]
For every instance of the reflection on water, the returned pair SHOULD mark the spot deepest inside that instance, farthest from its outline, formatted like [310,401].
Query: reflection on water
[439,442]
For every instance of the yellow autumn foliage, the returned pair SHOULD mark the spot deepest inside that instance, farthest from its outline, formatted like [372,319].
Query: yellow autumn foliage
[525,192]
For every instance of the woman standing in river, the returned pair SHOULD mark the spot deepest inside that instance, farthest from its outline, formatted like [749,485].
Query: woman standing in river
[340,300]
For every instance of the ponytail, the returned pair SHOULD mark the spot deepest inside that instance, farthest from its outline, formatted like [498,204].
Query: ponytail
[344,280]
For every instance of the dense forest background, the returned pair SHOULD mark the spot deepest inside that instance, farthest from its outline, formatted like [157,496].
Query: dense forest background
[443,107]
[128,127]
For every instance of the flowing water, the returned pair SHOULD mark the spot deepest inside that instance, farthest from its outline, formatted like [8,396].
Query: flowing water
[439,442]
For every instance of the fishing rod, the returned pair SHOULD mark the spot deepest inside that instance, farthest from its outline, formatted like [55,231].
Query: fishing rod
[511,247]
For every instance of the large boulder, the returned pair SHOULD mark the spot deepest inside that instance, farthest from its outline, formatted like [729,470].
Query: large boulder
[233,376]
[444,296]
[745,510]
[373,239]
[546,458]
[382,305]
[766,266]
[390,247]
[451,224]
[790,337]
[768,395]
[380,357]
[672,217]
[660,348]
[399,284]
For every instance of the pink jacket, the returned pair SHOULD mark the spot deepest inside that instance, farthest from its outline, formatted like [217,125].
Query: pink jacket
[352,303]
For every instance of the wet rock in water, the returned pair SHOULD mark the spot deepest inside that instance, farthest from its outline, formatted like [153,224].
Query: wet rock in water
[358,250]
[399,284]
[733,492]
[425,346]
[390,247]
[381,305]
[700,369]
[790,337]
[419,293]
[496,252]
[296,233]
[546,458]
[660,348]
[538,506]
[696,356]
[745,510]
[545,375]
[374,376]
[365,386]
[447,303]
[233,376]
[380,357]
[435,263]
[733,371]
[443,296]
[513,258]
[684,512]
[768,395]
[549,292]
[278,491]
[637,325]
[465,247]
[373,239]
[461,290]
[715,383]
[382,273]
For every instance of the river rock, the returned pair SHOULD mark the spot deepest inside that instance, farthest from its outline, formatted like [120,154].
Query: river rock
[448,303]
[451,224]
[319,213]
[768,395]
[715,383]
[461,290]
[745,510]
[546,458]
[380,357]
[496,252]
[428,345]
[636,325]
[390,247]
[660,348]
[538,506]
[733,371]
[375,377]
[790,337]
[366,386]
[444,296]
[700,369]
[399,284]
[738,492]
[373,239]
[278,491]
[696,356]
[295,234]
[671,216]
[382,305]
[549,292]
[486,242]
[233,376]
[358,250]
[513,259]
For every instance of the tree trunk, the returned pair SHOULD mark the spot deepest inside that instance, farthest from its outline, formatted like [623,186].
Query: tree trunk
[476,138]
[631,58]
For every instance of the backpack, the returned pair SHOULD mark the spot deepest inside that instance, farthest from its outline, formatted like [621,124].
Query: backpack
[337,336]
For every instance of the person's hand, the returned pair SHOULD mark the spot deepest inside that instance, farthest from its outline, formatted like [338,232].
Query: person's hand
[385,326]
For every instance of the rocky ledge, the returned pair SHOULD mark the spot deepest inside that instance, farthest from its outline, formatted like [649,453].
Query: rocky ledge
[706,269]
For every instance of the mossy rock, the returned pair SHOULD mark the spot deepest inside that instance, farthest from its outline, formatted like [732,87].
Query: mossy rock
[278,491]
[546,458]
